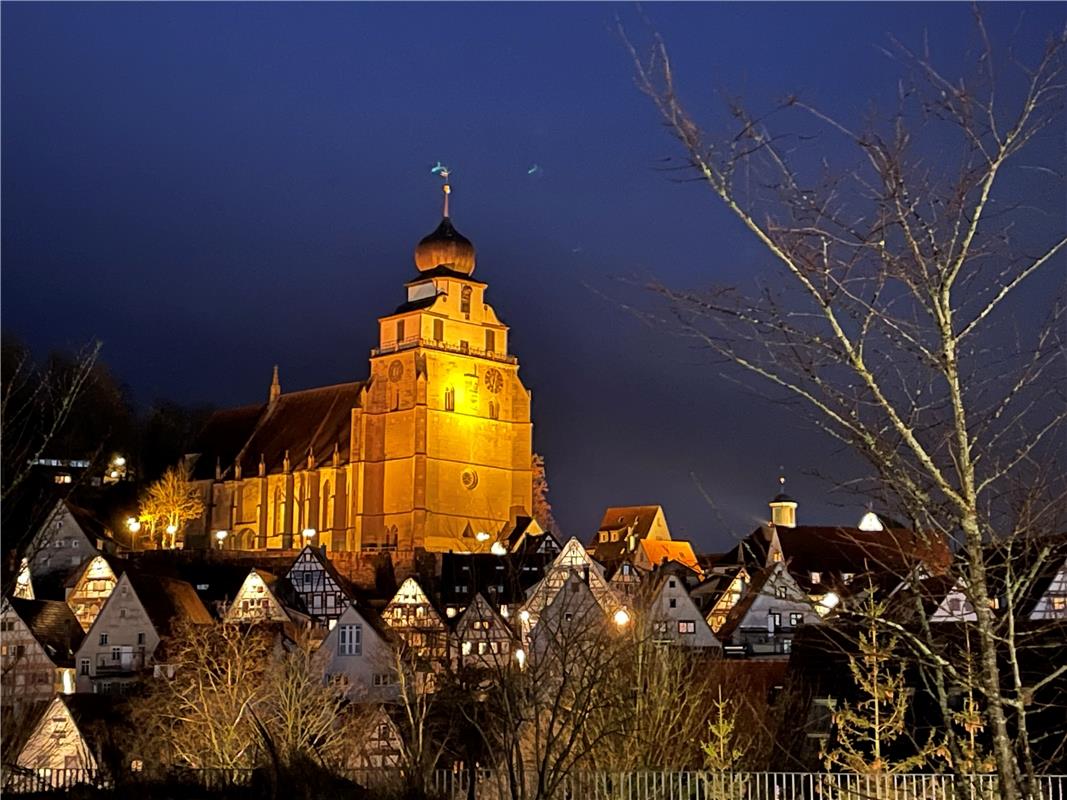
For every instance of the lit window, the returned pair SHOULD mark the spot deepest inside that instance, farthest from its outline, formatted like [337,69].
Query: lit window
[350,638]
[816,577]
[687,626]
[796,619]
[779,591]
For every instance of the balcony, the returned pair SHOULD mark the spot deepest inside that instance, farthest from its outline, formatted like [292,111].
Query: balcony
[432,344]
[128,661]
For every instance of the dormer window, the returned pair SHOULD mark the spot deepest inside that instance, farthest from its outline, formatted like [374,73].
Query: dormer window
[816,577]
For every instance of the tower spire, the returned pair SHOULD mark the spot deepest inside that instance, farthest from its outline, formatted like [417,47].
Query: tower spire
[275,385]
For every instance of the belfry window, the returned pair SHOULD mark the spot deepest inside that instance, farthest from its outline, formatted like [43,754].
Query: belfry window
[465,302]
[494,410]
[438,330]
[450,399]
[490,341]
[400,331]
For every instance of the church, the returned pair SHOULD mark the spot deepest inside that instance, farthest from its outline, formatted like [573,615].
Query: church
[432,451]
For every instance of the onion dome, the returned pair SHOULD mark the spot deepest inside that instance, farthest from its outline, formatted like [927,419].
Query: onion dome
[445,247]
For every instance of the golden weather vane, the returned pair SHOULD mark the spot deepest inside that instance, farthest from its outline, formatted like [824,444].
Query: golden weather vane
[443,171]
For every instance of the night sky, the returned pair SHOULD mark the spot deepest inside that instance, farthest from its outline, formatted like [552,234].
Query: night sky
[211,189]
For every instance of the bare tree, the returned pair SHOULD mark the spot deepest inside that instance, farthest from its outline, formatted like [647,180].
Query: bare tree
[168,504]
[885,319]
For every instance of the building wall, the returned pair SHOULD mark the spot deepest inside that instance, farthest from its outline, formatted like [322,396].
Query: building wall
[369,672]
[60,545]
[27,673]
[56,743]
[126,626]
[679,620]
[92,590]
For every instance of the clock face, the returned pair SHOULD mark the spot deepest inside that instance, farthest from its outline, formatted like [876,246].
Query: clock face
[494,381]
[396,371]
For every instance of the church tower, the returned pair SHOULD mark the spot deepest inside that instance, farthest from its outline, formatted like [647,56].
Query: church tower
[442,440]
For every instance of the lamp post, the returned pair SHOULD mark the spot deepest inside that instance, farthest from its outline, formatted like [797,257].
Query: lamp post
[309,535]
[220,537]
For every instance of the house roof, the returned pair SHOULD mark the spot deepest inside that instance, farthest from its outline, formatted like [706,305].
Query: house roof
[707,593]
[619,517]
[168,601]
[313,420]
[482,573]
[740,610]
[53,625]
[680,552]
[836,550]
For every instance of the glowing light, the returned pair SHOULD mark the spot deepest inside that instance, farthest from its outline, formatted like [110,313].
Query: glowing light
[622,618]
[482,536]
[114,473]
[133,524]
[520,656]
[498,549]
[119,461]
[524,615]
[309,532]
[172,529]
[828,602]
[220,535]
[870,522]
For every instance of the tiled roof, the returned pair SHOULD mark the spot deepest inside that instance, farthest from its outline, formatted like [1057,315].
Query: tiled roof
[834,551]
[223,437]
[618,517]
[316,420]
[53,625]
[168,601]
[738,612]
[658,552]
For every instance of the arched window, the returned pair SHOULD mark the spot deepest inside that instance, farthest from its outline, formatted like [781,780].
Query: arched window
[450,399]
[465,302]
[279,510]
[494,410]
[326,520]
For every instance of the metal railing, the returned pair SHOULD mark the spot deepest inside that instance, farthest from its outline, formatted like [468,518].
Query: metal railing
[434,344]
[586,785]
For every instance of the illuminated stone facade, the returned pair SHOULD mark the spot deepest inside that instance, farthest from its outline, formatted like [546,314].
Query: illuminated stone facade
[432,451]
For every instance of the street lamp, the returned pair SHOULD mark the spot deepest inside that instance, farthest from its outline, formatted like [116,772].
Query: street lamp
[520,656]
[220,536]
[498,549]
[133,525]
[524,615]
[482,536]
[622,617]
[308,534]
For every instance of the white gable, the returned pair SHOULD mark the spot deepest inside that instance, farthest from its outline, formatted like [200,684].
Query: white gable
[255,602]
[573,560]
[955,607]
[56,742]
[675,617]
[1053,603]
